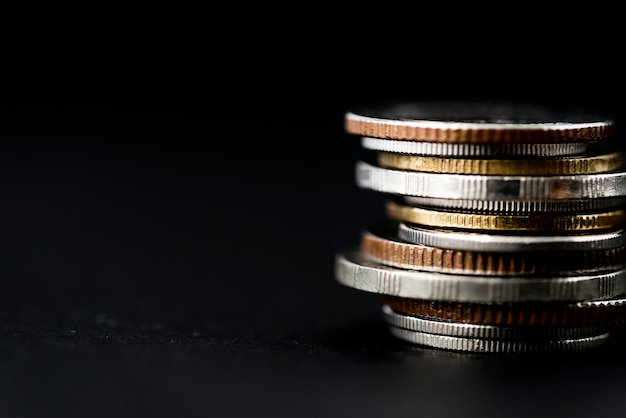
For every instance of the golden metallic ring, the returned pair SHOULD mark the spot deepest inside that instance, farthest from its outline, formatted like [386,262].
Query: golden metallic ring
[383,247]
[538,222]
[600,312]
[546,166]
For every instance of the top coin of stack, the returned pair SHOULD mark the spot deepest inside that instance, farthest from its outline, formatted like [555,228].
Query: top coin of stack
[508,208]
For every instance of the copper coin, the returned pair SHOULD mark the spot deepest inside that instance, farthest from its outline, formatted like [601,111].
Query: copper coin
[381,243]
[478,122]
[590,313]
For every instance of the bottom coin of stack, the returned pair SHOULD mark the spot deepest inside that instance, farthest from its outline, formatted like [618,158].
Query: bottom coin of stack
[453,335]
[478,292]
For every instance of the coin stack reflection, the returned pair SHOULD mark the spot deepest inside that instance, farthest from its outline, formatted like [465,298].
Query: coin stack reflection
[503,225]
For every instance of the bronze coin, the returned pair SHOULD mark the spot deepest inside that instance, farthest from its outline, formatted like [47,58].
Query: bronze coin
[381,243]
[477,122]
[591,313]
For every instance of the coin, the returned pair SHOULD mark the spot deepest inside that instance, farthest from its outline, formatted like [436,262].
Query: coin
[517,207]
[504,228]
[582,164]
[354,270]
[508,346]
[499,242]
[381,244]
[479,122]
[473,150]
[499,188]
[584,313]
[538,222]
[467,330]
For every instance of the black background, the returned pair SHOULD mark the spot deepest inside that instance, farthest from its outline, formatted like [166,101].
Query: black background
[173,201]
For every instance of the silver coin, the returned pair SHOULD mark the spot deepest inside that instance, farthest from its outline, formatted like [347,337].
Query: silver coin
[354,270]
[499,188]
[516,207]
[472,150]
[475,241]
[458,329]
[479,345]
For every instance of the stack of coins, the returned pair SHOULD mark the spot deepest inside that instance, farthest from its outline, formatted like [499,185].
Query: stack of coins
[503,227]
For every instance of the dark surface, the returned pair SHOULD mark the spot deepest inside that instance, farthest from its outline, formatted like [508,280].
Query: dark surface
[168,243]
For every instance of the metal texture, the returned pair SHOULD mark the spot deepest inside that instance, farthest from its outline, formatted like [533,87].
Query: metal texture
[465,330]
[497,242]
[473,150]
[505,346]
[381,244]
[610,311]
[475,122]
[517,207]
[581,164]
[354,270]
[499,188]
[487,222]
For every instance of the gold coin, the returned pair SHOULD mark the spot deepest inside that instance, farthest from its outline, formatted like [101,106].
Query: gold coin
[588,164]
[536,222]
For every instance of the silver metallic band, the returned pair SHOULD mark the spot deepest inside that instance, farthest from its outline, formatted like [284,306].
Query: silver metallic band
[517,207]
[458,329]
[476,241]
[472,150]
[501,188]
[479,345]
[353,270]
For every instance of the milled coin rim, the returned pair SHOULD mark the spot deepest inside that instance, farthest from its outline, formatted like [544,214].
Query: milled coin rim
[517,207]
[354,270]
[498,188]
[599,312]
[474,126]
[478,345]
[456,121]
[381,244]
[572,222]
[473,150]
[477,241]
[562,165]
[469,330]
